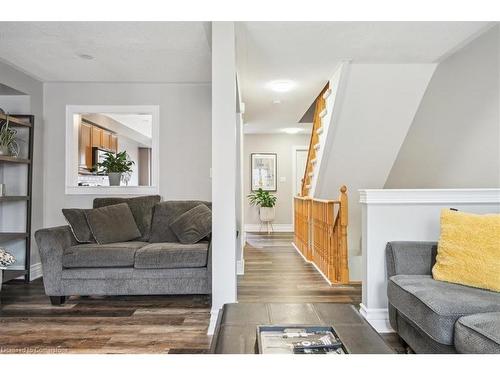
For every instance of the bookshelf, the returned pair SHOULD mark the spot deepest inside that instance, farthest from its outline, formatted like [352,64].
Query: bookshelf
[15,205]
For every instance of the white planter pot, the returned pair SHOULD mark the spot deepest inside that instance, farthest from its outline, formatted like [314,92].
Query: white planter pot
[266,214]
[114,178]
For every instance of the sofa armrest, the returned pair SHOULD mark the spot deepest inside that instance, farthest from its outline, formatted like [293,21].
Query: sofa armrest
[51,244]
[410,257]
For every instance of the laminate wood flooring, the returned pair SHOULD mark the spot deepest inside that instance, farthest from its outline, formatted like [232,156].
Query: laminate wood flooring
[274,272]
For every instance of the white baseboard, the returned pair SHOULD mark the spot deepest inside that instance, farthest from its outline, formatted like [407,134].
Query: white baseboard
[214,315]
[240,267]
[308,261]
[378,318]
[35,271]
[263,228]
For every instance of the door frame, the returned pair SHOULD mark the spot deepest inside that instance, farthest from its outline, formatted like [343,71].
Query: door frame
[294,174]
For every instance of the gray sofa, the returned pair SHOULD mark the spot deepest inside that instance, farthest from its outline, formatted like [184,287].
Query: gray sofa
[126,268]
[434,316]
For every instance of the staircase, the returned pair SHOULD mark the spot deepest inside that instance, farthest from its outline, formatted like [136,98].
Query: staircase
[321,224]
[323,117]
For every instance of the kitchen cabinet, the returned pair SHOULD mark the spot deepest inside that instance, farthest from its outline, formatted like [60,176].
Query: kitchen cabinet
[96,137]
[106,140]
[91,136]
[85,146]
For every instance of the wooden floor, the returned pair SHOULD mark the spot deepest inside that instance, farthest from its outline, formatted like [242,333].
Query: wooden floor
[274,272]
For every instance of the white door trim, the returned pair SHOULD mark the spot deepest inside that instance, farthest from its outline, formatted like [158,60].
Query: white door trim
[294,172]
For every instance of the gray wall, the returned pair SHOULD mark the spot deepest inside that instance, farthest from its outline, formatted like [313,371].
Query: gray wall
[454,140]
[185,137]
[281,144]
[25,84]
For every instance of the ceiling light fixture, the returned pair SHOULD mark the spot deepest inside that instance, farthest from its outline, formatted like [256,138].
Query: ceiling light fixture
[292,130]
[276,101]
[282,85]
[86,57]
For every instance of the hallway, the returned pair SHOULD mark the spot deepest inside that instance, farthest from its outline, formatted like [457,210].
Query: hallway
[275,272]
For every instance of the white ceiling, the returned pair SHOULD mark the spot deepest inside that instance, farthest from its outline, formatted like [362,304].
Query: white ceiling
[308,52]
[122,51]
[142,124]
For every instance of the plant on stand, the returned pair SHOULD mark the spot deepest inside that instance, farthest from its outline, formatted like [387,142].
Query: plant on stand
[8,141]
[266,202]
[115,166]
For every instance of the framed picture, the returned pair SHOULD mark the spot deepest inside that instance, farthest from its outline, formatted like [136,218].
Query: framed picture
[263,172]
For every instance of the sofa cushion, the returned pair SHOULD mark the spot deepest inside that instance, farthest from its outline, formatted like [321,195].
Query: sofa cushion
[164,214]
[172,255]
[141,207]
[119,254]
[112,224]
[77,220]
[193,225]
[478,334]
[434,306]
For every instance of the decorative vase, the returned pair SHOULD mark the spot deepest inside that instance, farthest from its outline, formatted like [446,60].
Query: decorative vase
[114,178]
[266,214]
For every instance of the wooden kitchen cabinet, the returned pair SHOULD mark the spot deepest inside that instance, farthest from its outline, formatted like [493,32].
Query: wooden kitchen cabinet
[106,140]
[96,137]
[85,146]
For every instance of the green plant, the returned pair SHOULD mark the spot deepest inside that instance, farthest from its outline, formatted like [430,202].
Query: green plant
[119,163]
[262,198]
[8,141]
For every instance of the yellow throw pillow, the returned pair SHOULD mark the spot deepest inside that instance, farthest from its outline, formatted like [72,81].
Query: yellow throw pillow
[469,250]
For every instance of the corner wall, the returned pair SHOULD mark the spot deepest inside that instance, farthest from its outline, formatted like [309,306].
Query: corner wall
[454,140]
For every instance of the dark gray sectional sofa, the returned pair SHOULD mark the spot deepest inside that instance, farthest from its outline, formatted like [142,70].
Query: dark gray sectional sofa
[156,263]
[433,316]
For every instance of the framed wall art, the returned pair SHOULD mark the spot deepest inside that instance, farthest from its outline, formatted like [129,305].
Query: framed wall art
[263,171]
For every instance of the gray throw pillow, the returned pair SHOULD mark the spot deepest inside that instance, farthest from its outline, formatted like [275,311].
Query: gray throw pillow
[193,225]
[78,222]
[112,224]
[141,207]
[165,213]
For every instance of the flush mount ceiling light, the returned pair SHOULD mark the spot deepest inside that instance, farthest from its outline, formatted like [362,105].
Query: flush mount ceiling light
[86,57]
[276,101]
[292,130]
[282,85]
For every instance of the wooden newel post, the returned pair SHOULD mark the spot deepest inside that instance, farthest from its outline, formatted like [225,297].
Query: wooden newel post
[344,254]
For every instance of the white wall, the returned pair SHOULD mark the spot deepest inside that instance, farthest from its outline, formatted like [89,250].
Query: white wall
[185,133]
[454,141]
[375,109]
[223,168]
[34,105]
[282,145]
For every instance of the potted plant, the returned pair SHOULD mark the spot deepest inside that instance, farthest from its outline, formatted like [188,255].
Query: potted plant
[115,165]
[266,202]
[8,141]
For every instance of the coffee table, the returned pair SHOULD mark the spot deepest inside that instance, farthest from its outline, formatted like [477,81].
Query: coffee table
[235,332]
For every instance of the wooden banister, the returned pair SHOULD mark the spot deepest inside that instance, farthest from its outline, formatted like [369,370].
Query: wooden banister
[321,234]
[311,155]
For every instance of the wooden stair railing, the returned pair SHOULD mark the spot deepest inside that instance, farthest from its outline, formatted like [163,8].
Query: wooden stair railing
[302,218]
[321,234]
[311,155]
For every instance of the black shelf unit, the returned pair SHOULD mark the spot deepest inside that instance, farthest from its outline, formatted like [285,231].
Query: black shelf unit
[28,122]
